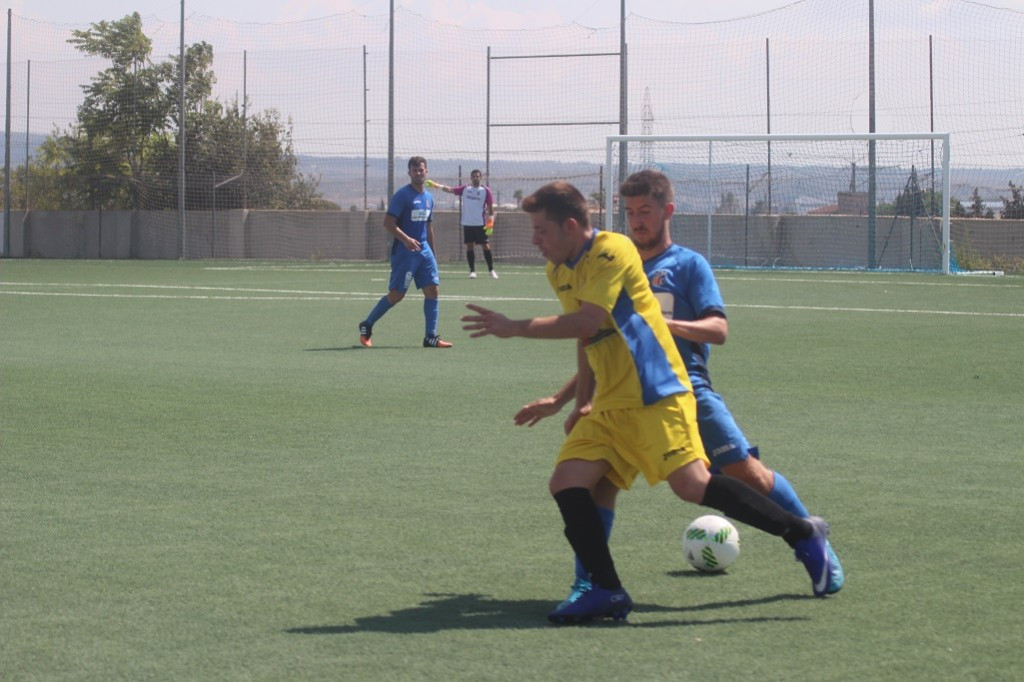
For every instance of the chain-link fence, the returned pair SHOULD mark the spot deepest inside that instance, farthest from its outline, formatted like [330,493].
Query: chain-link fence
[302,116]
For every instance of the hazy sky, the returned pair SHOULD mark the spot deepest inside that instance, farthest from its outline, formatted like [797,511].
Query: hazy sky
[503,14]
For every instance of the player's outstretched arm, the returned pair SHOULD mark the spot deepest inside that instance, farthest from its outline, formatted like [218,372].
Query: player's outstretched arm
[532,412]
[437,185]
[581,324]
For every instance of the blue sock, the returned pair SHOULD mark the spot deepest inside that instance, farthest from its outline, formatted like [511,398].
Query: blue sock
[383,305]
[430,314]
[607,519]
[783,495]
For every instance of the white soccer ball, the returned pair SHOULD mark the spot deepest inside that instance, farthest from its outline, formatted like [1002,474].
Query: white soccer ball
[711,543]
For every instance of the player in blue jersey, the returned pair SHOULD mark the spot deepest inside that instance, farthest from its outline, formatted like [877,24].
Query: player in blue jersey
[408,220]
[635,411]
[692,305]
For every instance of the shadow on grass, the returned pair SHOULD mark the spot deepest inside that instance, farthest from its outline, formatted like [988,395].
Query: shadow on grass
[375,348]
[479,612]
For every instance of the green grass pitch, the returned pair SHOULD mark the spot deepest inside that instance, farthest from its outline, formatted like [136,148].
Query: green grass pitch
[205,477]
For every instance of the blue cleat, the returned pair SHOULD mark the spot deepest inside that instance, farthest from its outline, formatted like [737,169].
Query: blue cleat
[580,586]
[836,577]
[597,602]
[813,552]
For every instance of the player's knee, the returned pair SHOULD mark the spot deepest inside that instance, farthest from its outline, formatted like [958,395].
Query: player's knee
[395,296]
[690,482]
[577,473]
[752,472]
[605,493]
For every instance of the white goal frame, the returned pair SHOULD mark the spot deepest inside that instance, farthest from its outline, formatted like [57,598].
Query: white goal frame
[609,189]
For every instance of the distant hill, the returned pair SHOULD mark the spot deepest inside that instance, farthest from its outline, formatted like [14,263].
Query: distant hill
[18,146]
[341,178]
[341,181]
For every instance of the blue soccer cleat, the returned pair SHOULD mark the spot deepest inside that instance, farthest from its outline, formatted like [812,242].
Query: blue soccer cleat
[579,586]
[597,602]
[836,577]
[813,552]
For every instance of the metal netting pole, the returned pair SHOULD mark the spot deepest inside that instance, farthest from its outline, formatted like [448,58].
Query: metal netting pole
[182,241]
[28,123]
[7,150]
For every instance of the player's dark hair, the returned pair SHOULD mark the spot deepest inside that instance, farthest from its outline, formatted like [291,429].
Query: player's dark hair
[561,201]
[648,182]
[476,170]
[416,160]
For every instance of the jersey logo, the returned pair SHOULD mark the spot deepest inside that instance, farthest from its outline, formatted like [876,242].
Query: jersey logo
[565,287]
[607,256]
[420,215]
[658,278]
[672,453]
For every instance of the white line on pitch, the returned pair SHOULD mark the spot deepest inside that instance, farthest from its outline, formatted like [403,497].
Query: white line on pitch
[837,309]
[303,295]
[867,280]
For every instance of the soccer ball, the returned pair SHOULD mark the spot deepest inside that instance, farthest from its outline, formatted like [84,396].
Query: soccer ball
[711,543]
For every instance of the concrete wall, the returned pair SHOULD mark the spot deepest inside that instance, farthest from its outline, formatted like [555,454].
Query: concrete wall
[806,241]
[735,240]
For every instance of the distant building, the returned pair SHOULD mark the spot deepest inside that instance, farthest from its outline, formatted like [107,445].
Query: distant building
[852,202]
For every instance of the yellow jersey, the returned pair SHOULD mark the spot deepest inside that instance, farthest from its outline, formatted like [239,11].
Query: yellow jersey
[633,356]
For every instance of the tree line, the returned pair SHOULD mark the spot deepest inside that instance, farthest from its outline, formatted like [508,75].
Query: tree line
[122,152]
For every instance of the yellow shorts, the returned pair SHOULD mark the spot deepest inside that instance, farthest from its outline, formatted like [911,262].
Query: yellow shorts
[655,440]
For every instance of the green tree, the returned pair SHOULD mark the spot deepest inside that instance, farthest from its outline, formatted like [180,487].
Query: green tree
[977,206]
[122,151]
[1013,208]
[728,204]
[125,104]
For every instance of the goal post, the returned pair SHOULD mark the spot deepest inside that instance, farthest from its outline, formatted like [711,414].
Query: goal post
[857,201]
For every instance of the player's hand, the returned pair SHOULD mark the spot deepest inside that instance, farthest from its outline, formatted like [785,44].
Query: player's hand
[413,244]
[533,412]
[487,322]
[574,416]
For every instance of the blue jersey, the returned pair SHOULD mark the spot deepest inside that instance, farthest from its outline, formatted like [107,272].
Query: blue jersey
[685,287]
[412,211]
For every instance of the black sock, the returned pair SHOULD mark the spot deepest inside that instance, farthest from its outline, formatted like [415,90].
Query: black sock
[471,259]
[736,499]
[584,531]
[489,258]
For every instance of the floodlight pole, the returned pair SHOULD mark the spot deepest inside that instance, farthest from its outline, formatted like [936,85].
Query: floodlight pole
[6,250]
[391,99]
[623,110]
[182,241]
[872,216]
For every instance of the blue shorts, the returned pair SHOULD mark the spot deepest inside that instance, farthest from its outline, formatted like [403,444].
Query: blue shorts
[724,442]
[413,266]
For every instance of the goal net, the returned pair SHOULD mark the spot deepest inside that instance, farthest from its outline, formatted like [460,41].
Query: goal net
[853,201]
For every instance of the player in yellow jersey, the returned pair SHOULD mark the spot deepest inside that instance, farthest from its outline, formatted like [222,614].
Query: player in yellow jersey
[634,411]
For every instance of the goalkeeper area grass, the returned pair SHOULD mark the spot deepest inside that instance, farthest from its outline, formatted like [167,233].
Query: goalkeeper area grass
[206,477]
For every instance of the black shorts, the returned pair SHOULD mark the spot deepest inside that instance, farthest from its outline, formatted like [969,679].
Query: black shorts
[474,234]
